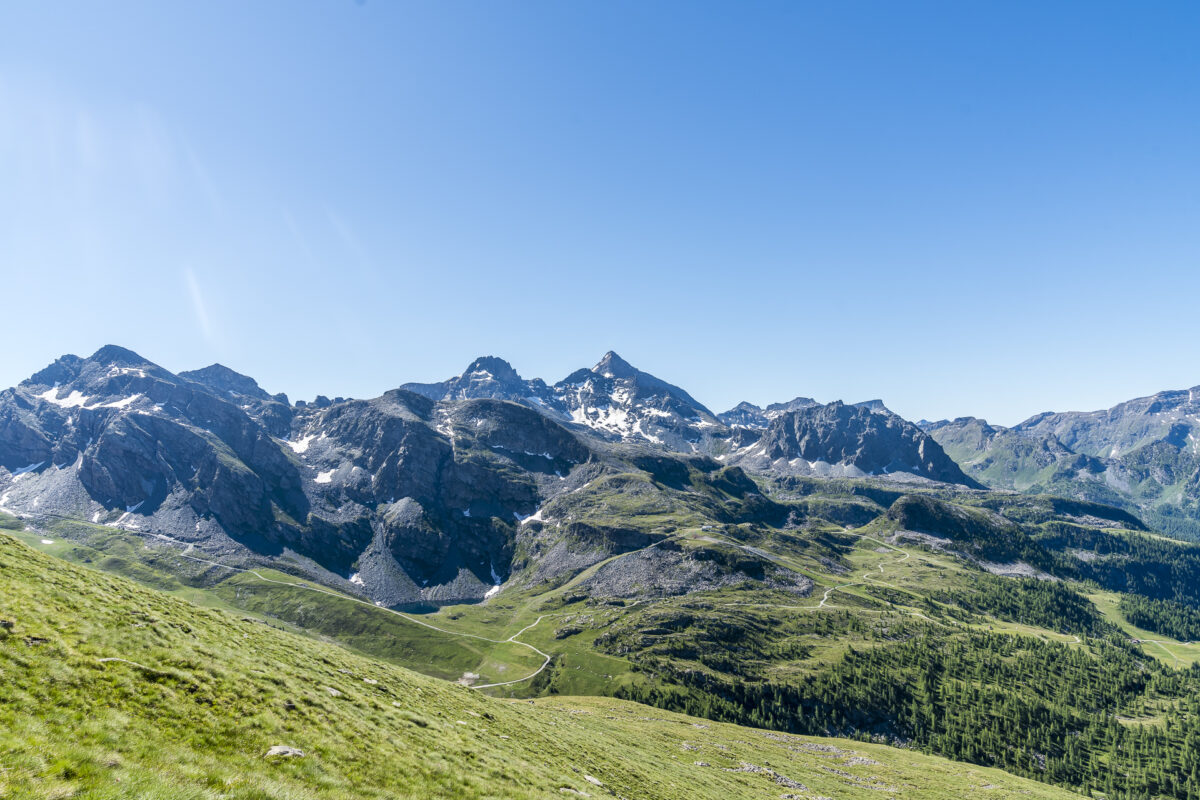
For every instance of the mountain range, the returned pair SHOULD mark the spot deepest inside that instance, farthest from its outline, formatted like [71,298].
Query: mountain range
[420,495]
[436,493]
[1142,455]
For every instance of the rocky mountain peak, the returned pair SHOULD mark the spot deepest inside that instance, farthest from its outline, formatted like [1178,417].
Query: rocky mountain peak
[224,379]
[616,399]
[485,377]
[613,366]
[69,368]
[491,367]
[106,372]
[748,415]
[63,370]
[875,405]
[745,415]
[115,355]
[849,441]
[791,405]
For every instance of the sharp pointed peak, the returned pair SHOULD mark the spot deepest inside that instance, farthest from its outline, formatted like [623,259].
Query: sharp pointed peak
[613,366]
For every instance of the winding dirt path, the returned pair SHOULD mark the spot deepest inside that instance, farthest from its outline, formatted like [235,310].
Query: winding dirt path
[514,640]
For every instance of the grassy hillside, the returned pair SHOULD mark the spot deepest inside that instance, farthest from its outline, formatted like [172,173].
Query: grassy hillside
[898,632]
[110,689]
[285,601]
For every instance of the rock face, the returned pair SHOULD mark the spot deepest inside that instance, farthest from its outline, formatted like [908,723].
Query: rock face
[851,441]
[1142,455]
[668,570]
[134,437]
[274,412]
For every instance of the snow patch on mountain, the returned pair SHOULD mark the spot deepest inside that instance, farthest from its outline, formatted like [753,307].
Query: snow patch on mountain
[16,473]
[137,372]
[76,399]
[301,445]
[124,402]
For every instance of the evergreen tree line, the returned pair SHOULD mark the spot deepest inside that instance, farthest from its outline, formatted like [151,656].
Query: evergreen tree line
[1045,604]
[1035,708]
[1162,616]
[1157,568]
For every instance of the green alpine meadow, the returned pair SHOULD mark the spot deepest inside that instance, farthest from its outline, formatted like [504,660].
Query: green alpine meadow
[112,689]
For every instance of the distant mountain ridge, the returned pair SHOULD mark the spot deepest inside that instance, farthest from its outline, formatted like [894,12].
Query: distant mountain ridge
[620,402]
[1142,455]
[423,494]
[748,415]
[418,496]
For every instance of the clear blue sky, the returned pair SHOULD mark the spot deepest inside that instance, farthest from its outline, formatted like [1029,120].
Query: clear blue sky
[987,208]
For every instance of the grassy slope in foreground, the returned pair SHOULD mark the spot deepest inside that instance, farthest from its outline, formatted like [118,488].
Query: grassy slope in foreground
[209,693]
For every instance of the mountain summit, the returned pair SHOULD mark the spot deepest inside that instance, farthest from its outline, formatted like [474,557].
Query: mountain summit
[613,366]
[617,399]
[614,399]
[223,379]
[487,376]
